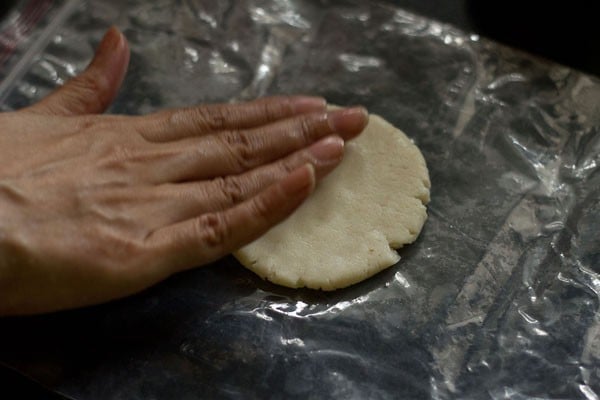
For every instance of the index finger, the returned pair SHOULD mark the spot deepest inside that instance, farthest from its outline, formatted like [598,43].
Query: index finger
[183,123]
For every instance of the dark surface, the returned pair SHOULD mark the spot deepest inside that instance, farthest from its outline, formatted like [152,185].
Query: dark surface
[562,32]
[544,30]
[20,387]
[5,6]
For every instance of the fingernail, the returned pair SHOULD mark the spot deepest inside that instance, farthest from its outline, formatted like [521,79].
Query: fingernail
[112,40]
[112,57]
[349,120]
[299,181]
[328,150]
[304,104]
[108,53]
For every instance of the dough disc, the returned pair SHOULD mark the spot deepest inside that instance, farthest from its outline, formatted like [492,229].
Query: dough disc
[372,203]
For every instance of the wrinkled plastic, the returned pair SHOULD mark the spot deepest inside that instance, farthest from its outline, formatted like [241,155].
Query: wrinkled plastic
[499,297]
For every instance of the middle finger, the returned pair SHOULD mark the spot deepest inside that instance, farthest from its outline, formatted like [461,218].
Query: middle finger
[172,203]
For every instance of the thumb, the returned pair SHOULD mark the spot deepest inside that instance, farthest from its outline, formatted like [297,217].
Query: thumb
[94,89]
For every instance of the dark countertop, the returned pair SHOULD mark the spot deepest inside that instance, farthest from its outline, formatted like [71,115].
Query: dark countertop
[552,32]
[565,33]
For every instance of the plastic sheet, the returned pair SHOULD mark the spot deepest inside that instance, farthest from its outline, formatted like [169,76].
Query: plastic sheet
[497,299]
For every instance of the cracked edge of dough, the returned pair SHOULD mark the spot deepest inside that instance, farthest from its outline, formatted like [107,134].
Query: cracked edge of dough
[299,283]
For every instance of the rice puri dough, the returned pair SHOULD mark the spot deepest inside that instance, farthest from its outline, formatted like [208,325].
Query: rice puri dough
[372,203]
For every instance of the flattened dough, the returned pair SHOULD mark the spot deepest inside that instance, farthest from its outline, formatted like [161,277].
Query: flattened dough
[373,203]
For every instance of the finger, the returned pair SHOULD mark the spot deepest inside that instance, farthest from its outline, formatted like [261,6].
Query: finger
[210,236]
[194,121]
[170,203]
[235,152]
[92,91]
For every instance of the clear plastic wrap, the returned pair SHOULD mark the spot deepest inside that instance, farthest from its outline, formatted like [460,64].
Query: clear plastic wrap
[499,297]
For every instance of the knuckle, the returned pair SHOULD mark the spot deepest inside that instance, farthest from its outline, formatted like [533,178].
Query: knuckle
[91,89]
[175,118]
[116,158]
[10,191]
[110,243]
[127,249]
[306,129]
[214,118]
[86,123]
[123,257]
[212,229]
[288,166]
[241,148]
[209,118]
[104,124]
[274,109]
[120,153]
[231,188]
[201,119]
[259,208]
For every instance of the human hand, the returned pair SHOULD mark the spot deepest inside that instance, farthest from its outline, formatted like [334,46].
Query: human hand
[96,207]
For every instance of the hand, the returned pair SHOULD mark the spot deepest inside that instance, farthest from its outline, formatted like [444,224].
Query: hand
[96,207]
